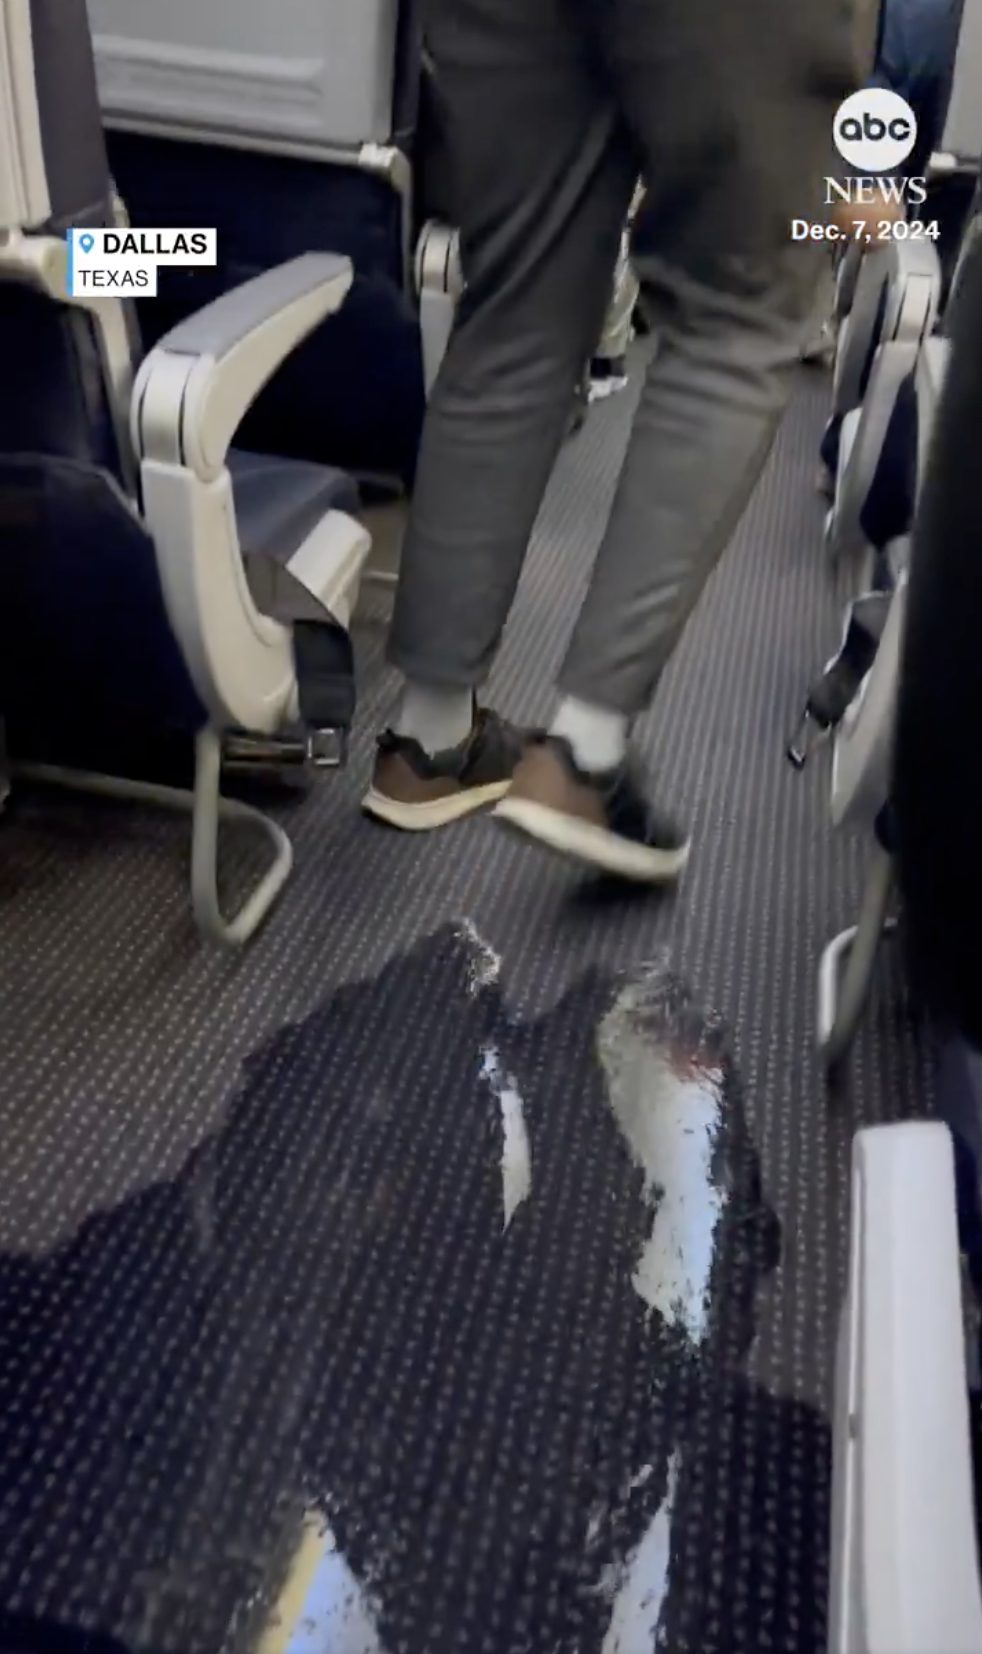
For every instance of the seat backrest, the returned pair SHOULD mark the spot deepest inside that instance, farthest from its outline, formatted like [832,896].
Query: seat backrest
[962,136]
[53,167]
[81,615]
[316,73]
[938,744]
[286,128]
[54,399]
[971,234]
[58,389]
[75,164]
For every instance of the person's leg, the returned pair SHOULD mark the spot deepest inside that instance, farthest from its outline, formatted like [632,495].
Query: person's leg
[543,176]
[732,108]
[818,345]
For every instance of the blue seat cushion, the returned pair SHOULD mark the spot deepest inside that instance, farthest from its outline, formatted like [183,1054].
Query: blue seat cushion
[278,502]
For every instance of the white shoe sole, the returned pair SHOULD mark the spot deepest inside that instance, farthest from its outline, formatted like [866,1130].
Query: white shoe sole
[436,812]
[583,841]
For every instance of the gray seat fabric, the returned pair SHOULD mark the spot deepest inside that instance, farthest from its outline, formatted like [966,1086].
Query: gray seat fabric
[278,502]
[74,144]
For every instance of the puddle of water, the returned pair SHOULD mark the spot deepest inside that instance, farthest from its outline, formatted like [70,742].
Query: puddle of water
[337,1615]
[458,1278]
[640,1587]
[669,1102]
[516,1159]
[626,1102]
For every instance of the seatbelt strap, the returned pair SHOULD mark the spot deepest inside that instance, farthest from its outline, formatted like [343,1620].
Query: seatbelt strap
[323,655]
[833,693]
[325,661]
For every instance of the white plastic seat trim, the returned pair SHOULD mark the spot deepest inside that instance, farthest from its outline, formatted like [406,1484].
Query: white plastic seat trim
[962,137]
[932,368]
[905,1576]
[862,751]
[863,436]
[910,271]
[190,397]
[24,199]
[439,281]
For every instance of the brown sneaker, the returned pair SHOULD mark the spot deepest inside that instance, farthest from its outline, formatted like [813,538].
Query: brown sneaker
[602,820]
[416,792]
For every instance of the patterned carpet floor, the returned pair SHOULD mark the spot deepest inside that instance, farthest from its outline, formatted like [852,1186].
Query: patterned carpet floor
[498,1220]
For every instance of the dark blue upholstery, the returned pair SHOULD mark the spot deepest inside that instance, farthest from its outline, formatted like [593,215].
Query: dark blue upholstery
[53,397]
[278,502]
[86,645]
[84,637]
[936,764]
[89,666]
[353,395]
[888,509]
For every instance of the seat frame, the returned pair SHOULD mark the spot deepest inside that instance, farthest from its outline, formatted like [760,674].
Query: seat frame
[907,275]
[175,419]
[185,409]
[861,765]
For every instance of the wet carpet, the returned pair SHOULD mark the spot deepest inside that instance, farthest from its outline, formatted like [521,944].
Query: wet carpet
[495,1220]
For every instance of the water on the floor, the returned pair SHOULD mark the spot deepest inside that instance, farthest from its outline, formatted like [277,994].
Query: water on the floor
[444,1243]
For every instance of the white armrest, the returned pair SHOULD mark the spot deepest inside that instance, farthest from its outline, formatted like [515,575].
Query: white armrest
[932,368]
[196,386]
[856,335]
[913,289]
[910,1569]
[902,277]
[864,433]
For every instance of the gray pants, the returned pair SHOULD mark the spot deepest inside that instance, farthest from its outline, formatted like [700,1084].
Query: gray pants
[553,108]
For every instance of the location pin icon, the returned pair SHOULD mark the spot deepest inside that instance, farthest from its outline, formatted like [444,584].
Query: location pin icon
[86,242]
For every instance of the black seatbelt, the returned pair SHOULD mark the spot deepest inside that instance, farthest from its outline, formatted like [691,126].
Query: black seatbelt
[831,696]
[324,661]
[324,658]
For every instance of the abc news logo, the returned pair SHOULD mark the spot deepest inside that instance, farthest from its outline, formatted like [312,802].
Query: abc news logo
[875,131]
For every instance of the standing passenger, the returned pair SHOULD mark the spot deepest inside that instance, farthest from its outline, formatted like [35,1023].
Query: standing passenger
[553,109]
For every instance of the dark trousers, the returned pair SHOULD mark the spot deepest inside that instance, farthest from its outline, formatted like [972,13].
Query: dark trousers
[553,108]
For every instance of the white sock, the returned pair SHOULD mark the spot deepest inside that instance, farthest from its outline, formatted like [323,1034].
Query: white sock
[598,738]
[438,717]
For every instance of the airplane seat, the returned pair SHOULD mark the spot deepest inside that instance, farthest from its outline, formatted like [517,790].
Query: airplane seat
[152,580]
[886,512]
[898,296]
[438,274]
[289,130]
[896,308]
[940,873]
[904,1567]
[936,759]
[866,676]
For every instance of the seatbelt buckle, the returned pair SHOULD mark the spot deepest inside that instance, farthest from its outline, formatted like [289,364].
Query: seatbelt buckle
[327,749]
[808,737]
[280,759]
